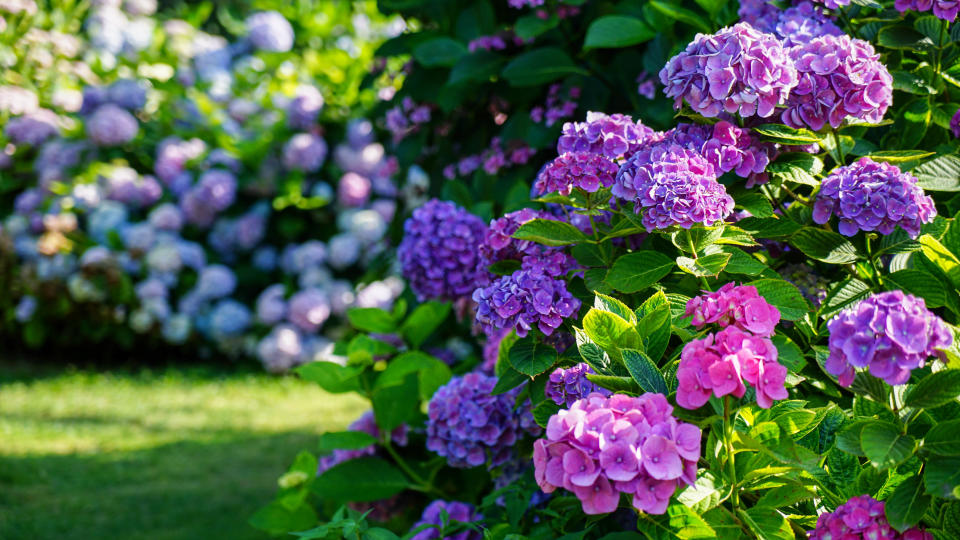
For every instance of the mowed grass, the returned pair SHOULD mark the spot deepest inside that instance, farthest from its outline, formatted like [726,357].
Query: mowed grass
[172,453]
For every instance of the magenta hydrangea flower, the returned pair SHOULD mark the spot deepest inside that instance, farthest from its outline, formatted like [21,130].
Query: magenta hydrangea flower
[365,424]
[614,136]
[833,4]
[469,426]
[955,124]
[891,333]
[838,77]
[604,446]
[872,196]
[733,305]
[864,518]
[531,296]
[942,9]
[721,363]
[737,70]
[673,186]
[726,146]
[440,251]
[455,511]
[582,170]
[566,386]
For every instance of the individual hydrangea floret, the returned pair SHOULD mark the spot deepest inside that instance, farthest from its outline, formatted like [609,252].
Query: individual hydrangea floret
[439,251]
[602,447]
[872,196]
[943,9]
[270,31]
[733,305]
[433,516]
[673,186]
[891,333]
[859,518]
[614,136]
[839,77]
[469,426]
[365,424]
[720,363]
[530,297]
[582,170]
[737,70]
[567,385]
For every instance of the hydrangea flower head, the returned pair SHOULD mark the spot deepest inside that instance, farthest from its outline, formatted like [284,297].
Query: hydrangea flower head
[499,244]
[726,146]
[955,124]
[673,186]
[603,446]
[308,309]
[859,518]
[455,511]
[582,170]
[470,427]
[833,4]
[33,128]
[838,77]
[733,305]
[891,333]
[943,9]
[111,125]
[566,386]
[720,363]
[439,251]
[873,196]
[802,22]
[305,152]
[614,136]
[270,31]
[737,70]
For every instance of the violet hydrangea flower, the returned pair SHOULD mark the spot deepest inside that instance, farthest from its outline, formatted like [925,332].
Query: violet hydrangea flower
[737,70]
[955,124]
[943,9]
[604,446]
[864,518]
[833,4]
[439,251]
[499,245]
[872,196]
[111,125]
[305,152]
[567,385]
[674,186]
[469,426]
[734,305]
[838,76]
[891,333]
[455,511]
[726,146]
[802,22]
[720,363]
[614,136]
[582,170]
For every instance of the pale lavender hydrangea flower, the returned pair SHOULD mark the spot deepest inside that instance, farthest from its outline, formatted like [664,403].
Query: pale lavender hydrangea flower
[33,128]
[305,152]
[111,125]
[737,70]
[303,109]
[308,309]
[270,31]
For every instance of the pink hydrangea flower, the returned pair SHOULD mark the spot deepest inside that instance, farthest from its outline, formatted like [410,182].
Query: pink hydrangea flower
[741,306]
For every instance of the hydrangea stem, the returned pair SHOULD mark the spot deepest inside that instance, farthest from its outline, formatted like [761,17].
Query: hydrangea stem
[841,159]
[728,420]
[422,485]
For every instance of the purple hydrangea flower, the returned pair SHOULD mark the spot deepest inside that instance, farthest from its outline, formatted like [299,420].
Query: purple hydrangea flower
[271,304]
[582,170]
[726,146]
[833,4]
[304,108]
[33,128]
[172,156]
[433,514]
[760,14]
[308,309]
[353,190]
[942,9]
[604,446]
[891,333]
[615,136]
[305,152]
[126,93]
[270,31]
[872,196]
[861,517]
[281,349]
[568,385]
[498,242]
[215,281]
[737,70]
[673,186]
[531,296]
[955,124]
[469,426]
[795,25]
[25,309]
[439,251]
[111,125]
[838,77]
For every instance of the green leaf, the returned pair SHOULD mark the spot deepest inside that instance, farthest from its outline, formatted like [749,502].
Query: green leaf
[771,227]
[333,378]
[679,522]
[531,26]
[614,383]
[508,380]
[644,371]
[941,257]
[934,390]
[431,372]
[614,31]
[942,477]
[277,519]
[439,52]
[900,156]
[918,283]
[636,271]
[843,294]
[591,353]
[681,14]
[885,446]
[939,174]
[532,358]
[549,232]
[912,83]
[742,263]
[786,495]
[825,246]
[943,439]
[797,167]
[755,203]
[787,135]
[373,320]
[364,479]
[543,411]
[540,66]
[423,321]
[903,37]
[611,332]
[906,505]
[788,353]
[708,265]
[654,325]
[395,403]
[848,438]
[478,66]
[768,523]
[345,440]
[784,296]
[608,303]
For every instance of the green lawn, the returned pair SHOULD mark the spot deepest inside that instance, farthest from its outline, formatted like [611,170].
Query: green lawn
[163,454]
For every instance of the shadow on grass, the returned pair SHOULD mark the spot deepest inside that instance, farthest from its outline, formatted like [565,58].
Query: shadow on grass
[183,490]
